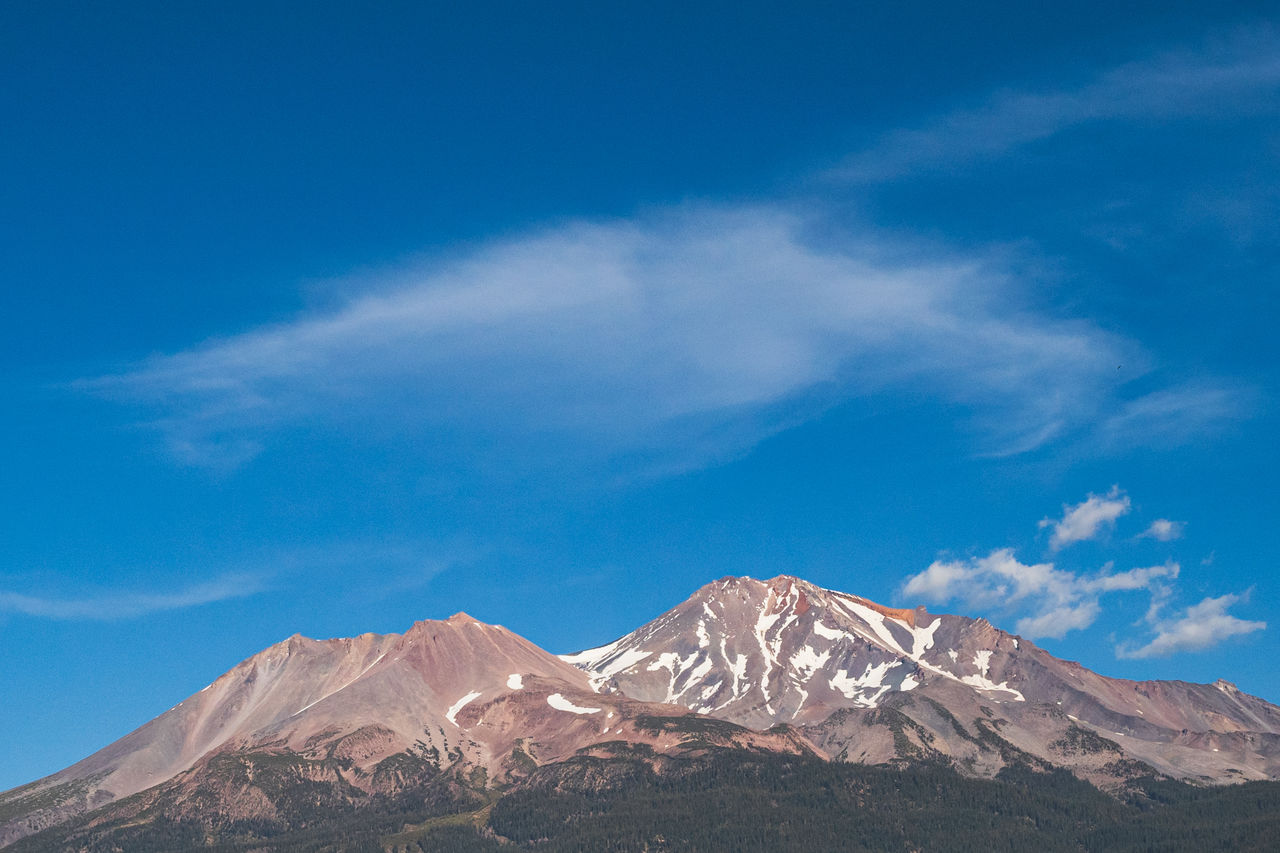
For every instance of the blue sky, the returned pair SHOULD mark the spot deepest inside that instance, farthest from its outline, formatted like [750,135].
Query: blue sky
[323,320]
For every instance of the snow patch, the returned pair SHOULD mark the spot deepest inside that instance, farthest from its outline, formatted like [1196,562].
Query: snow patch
[515,681]
[807,661]
[828,633]
[694,677]
[872,678]
[976,681]
[704,639]
[982,660]
[452,713]
[875,620]
[987,684]
[922,639]
[605,662]
[739,670]
[557,701]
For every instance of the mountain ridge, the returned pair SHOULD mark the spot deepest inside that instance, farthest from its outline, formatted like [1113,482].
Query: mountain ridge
[782,665]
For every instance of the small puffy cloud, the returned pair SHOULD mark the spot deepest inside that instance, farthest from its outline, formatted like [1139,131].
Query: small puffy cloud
[939,582]
[1060,620]
[1163,530]
[1135,578]
[1198,627]
[1049,601]
[1085,520]
[1054,600]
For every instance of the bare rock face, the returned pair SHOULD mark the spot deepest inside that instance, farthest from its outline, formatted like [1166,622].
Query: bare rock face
[908,683]
[780,666]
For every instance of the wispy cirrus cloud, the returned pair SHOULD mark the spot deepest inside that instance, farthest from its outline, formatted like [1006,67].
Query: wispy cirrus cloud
[1176,415]
[1237,75]
[688,334]
[680,337]
[111,605]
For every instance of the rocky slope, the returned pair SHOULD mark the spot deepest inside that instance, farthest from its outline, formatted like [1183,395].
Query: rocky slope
[780,666]
[763,652]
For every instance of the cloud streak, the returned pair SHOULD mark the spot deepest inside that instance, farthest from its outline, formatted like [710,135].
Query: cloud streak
[1235,77]
[680,337]
[689,334]
[111,606]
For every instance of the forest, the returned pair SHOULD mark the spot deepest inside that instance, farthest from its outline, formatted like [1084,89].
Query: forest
[722,799]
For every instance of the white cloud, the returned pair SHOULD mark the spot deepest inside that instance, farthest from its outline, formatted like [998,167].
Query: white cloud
[1049,601]
[1057,621]
[1085,520]
[677,338]
[1198,627]
[1163,530]
[1237,76]
[1054,600]
[1134,578]
[111,605]
[941,581]
[1175,416]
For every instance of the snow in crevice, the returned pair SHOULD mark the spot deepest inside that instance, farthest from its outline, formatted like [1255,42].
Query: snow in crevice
[452,713]
[605,662]
[872,679]
[827,633]
[339,689]
[678,667]
[763,624]
[976,681]
[704,639]
[875,620]
[739,670]
[922,639]
[691,680]
[557,701]
[807,661]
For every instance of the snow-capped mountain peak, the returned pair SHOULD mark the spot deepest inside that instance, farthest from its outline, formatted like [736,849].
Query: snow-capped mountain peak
[758,652]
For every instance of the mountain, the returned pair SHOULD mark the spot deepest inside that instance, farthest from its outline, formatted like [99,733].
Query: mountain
[867,683]
[447,715]
[385,711]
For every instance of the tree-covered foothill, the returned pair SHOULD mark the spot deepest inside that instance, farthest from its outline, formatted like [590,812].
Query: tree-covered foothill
[721,800]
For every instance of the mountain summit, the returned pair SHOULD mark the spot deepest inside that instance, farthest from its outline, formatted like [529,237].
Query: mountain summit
[839,666]
[779,666]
